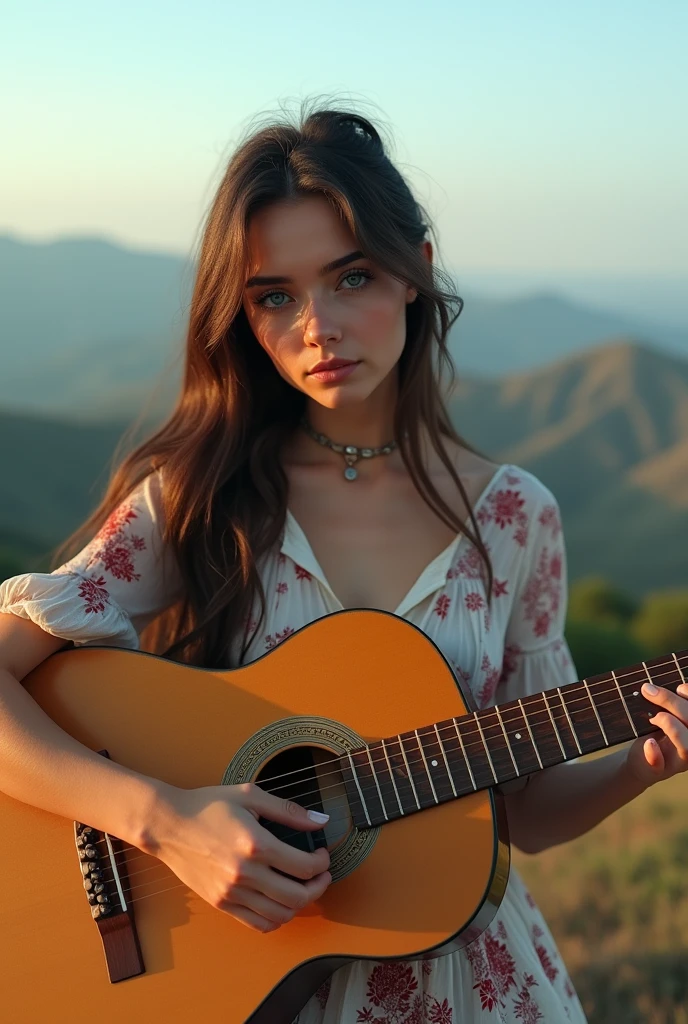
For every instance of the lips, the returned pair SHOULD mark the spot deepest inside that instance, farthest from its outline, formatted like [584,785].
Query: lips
[331,364]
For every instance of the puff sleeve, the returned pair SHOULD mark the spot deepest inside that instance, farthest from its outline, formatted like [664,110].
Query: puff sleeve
[536,653]
[113,587]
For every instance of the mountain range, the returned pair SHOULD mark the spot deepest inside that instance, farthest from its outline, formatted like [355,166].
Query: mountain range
[88,327]
[605,429]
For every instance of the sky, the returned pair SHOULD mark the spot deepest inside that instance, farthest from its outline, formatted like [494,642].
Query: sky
[536,134]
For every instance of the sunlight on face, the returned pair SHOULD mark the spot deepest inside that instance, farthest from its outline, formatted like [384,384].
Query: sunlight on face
[353,314]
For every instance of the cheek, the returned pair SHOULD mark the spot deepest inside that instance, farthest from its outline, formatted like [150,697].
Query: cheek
[277,341]
[384,322]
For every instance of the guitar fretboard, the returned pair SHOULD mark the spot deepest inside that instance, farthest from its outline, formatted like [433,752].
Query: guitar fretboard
[413,771]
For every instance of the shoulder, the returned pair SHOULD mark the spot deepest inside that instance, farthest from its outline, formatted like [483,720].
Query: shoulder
[517,514]
[531,489]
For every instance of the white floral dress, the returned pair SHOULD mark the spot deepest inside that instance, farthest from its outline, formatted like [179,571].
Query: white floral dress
[123,579]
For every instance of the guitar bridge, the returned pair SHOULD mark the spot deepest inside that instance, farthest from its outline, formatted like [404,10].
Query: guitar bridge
[106,885]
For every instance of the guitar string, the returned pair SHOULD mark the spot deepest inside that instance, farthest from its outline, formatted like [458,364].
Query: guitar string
[469,744]
[525,702]
[528,702]
[320,790]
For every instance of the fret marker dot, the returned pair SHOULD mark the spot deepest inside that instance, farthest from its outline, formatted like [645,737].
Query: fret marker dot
[635,693]
[434,764]
[517,735]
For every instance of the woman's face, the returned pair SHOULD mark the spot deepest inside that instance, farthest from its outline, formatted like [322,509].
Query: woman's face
[351,318]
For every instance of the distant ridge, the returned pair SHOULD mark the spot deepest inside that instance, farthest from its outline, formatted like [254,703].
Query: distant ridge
[606,430]
[87,326]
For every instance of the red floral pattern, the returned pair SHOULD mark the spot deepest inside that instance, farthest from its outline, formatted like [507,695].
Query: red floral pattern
[493,968]
[442,605]
[474,601]
[391,986]
[272,641]
[545,959]
[506,508]
[301,573]
[114,545]
[542,593]
[525,1007]
[509,661]
[393,989]
[94,594]
[113,550]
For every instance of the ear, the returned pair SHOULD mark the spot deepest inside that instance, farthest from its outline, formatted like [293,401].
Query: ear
[426,249]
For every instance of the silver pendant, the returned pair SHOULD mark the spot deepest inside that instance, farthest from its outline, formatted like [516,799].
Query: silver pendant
[350,473]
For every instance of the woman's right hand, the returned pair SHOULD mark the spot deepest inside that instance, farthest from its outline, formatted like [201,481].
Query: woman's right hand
[211,839]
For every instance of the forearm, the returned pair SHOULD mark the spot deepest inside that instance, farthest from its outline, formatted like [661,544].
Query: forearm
[42,765]
[567,800]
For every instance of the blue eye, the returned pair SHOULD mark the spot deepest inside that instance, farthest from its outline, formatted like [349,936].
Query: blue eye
[357,272]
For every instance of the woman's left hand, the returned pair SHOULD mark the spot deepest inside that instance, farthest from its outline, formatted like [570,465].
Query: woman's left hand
[651,760]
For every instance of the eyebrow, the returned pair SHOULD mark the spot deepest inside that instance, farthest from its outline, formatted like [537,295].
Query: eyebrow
[327,269]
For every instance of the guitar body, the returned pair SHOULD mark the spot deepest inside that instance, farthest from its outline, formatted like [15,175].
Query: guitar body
[423,884]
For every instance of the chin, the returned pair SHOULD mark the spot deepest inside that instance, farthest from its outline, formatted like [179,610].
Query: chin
[339,396]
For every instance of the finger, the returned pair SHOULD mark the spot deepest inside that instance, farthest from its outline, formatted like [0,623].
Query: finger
[285,858]
[274,808]
[295,895]
[262,905]
[673,702]
[653,755]
[675,730]
[249,917]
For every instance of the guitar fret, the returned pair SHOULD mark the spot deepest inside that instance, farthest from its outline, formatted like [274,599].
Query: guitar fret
[530,732]
[487,751]
[479,749]
[554,725]
[377,784]
[358,787]
[594,707]
[446,762]
[568,716]
[506,740]
[391,775]
[422,754]
[463,751]
[410,776]
[623,699]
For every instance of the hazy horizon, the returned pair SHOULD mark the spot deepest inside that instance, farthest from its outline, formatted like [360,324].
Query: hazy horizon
[538,137]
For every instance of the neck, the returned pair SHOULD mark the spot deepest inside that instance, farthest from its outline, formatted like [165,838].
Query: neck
[367,424]
[416,770]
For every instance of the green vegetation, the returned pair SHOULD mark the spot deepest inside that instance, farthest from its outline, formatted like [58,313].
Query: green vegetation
[607,629]
[616,901]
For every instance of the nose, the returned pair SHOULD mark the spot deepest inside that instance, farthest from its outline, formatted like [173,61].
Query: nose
[320,330]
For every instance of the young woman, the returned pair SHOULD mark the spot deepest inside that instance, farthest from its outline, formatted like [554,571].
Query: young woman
[319,320]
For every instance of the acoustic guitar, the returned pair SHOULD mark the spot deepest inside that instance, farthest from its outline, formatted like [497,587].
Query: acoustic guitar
[357,714]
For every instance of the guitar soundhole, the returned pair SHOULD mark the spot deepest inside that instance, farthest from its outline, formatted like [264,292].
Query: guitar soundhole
[306,775]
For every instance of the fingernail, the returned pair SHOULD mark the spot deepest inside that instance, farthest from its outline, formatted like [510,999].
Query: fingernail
[317,816]
[650,688]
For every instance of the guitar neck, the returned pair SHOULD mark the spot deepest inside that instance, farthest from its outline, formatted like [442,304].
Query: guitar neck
[416,770]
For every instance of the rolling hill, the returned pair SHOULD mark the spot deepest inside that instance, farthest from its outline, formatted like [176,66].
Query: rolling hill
[605,429]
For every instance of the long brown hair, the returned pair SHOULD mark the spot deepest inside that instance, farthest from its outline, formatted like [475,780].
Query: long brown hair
[225,491]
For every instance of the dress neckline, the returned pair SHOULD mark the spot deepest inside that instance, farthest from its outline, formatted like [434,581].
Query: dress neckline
[295,545]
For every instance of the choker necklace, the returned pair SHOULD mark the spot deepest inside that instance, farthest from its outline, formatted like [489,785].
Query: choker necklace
[350,452]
